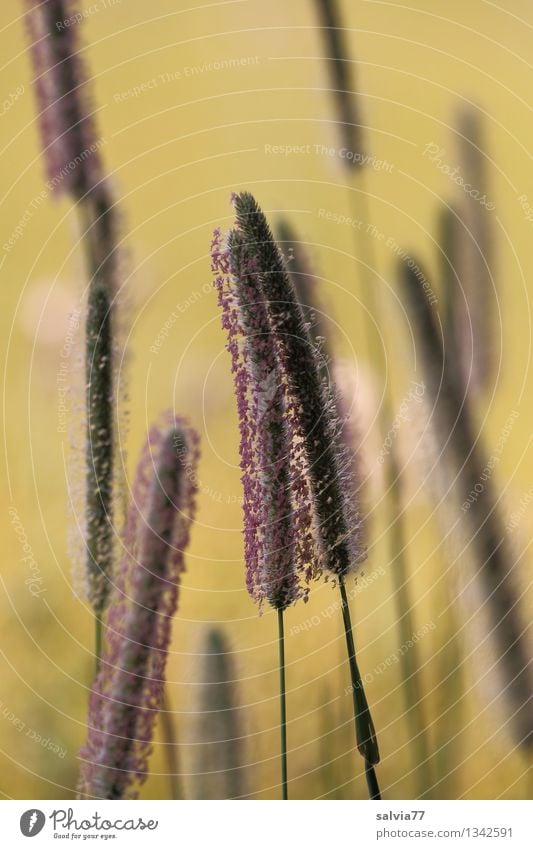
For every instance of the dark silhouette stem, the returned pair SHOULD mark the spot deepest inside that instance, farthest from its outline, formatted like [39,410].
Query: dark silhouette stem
[364,727]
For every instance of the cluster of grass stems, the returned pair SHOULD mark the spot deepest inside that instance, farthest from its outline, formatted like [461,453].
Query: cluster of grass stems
[295,452]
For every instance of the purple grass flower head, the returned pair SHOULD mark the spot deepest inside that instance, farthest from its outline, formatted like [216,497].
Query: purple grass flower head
[128,690]
[278,514]
[316,426]
[68,134]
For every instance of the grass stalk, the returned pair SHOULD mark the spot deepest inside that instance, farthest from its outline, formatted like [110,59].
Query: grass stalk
[364,727]
[282,707]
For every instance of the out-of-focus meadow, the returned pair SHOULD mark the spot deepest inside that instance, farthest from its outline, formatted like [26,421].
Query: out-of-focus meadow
[183,125]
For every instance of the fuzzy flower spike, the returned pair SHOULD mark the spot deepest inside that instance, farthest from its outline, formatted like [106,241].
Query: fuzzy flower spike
[328,530]
[71,150]
[128,690]
[68,133]
[315,426]
[277,500]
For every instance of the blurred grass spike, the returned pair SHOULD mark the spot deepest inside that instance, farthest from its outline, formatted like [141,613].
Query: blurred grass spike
[128,690]
[68,133]
[219,743]
[502,657]
[101,388]
[474,258]
[448,227]
[71,152]
[343,87]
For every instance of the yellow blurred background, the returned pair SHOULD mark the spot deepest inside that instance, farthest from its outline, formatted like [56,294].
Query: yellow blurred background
[183,125]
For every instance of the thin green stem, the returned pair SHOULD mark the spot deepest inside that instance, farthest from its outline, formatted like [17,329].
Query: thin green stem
[364,727]
[282,706]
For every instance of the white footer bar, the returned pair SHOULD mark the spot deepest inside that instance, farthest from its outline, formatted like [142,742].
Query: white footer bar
[267,824]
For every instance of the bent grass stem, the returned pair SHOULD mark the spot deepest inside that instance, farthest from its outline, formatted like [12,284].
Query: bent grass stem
[364,727]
